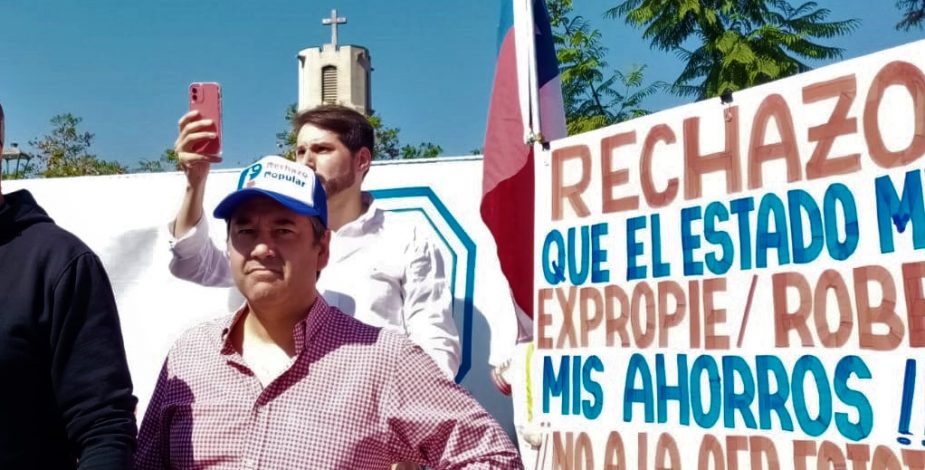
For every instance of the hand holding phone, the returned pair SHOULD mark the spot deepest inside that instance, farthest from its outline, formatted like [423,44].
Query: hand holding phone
[206,98]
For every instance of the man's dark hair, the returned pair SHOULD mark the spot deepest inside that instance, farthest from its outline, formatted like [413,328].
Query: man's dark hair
[352,128]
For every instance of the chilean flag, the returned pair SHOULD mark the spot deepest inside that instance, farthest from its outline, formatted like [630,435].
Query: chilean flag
[526,107]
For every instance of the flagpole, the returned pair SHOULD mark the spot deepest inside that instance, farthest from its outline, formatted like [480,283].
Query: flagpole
[524,34]
[534,119]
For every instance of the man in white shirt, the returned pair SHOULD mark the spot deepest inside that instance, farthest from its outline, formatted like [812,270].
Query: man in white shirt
[383,269]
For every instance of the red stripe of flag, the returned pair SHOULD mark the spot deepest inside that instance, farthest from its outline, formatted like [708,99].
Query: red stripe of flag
[508,168]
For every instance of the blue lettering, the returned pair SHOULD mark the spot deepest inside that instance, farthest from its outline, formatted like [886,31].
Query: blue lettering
[634,248]
[576,385]
[733,401]
[598,255]
[741,208]
[578,271]
[556,386]
[690,242]
[705,419]
[592,408]
[553,269]
[767,238]
[717,212]
[848,366]
[659,268]
[777,401]
[890,208]
[841,194]
[638,367]
[813,366]
[666,392]
[798,202]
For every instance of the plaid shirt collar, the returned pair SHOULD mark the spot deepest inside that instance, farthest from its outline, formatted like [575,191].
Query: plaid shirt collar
[302,334]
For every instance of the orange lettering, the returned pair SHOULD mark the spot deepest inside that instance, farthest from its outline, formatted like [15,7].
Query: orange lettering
[759,152]
[909,76]
[654,198]
[611,178]
[727,160]
[820,165]
[572,193]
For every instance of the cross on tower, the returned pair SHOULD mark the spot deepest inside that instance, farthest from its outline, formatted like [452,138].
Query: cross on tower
[334,21]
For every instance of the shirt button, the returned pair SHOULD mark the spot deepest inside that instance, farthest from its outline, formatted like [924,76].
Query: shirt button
[250,463]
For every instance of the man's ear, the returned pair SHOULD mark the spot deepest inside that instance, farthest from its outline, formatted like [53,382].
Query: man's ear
[324,254]
[362,160]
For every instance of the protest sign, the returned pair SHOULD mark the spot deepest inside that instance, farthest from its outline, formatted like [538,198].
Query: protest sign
[739,285]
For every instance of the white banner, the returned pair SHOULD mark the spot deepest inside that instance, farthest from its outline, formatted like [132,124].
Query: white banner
[739,285]
[124,219]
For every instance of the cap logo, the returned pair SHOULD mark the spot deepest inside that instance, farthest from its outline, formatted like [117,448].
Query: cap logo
[293,185]
[287,172]
[249,175]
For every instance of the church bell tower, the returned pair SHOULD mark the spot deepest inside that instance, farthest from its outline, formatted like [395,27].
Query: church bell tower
[334,74]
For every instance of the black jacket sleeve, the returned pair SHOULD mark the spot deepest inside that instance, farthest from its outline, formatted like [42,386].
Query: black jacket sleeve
[89,371]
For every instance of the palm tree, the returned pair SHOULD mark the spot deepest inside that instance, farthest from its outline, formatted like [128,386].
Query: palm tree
[729,45]
[914,14]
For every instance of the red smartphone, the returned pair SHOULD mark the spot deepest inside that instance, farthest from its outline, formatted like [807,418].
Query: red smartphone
[207,99]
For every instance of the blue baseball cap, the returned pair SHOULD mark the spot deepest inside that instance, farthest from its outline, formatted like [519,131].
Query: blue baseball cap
[294,186]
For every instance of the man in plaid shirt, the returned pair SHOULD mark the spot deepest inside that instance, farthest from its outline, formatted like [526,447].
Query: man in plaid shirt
[290,382]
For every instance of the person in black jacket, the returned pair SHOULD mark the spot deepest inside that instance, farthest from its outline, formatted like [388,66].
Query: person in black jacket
[65,391]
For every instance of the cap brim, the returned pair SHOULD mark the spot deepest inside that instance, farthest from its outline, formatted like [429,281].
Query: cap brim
[231,202]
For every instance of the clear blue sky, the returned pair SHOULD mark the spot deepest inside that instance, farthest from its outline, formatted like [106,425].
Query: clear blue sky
[124,66]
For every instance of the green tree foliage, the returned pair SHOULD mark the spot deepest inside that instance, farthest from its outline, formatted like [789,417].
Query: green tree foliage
[594,97]
[285,140]
[168,161]
[22,173]
[729,45]
[913,14]
[64,152]
[387,146]
[18,167]
[422,150]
